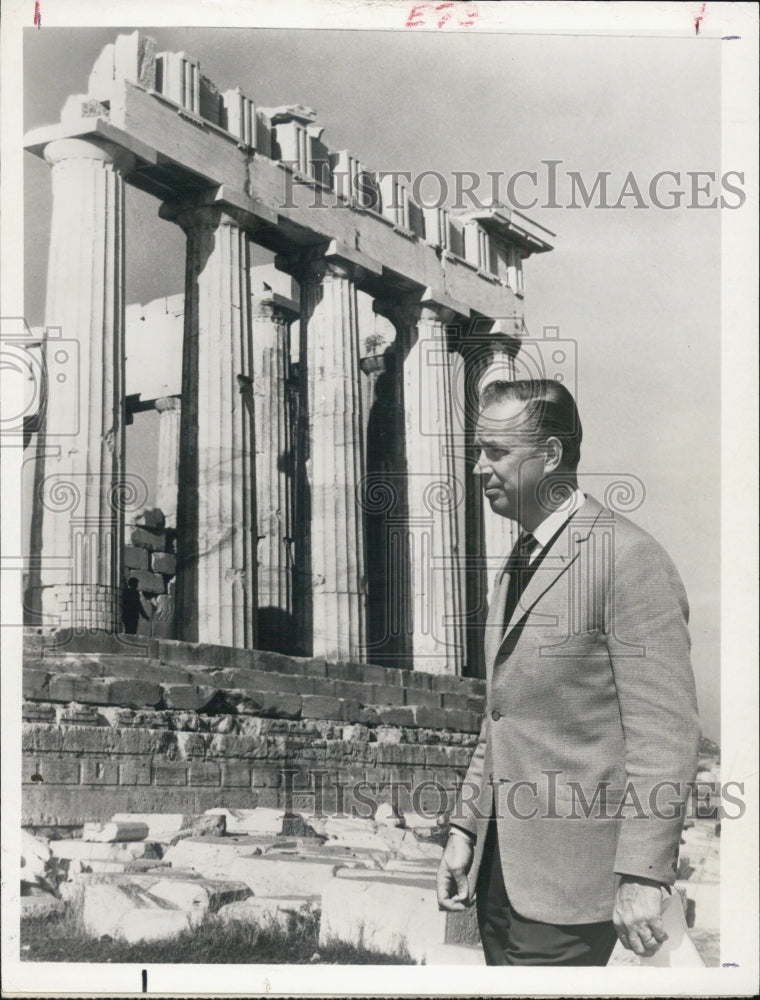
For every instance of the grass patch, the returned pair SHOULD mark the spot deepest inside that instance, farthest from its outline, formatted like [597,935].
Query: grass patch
[62,939]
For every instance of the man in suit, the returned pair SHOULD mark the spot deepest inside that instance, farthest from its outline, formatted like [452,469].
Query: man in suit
[567,826]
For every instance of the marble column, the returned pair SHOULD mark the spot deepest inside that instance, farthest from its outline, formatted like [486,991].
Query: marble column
[332,432]
[81,489]
[167,477]
[274,471]
[499,534]
[435,487]
[216,509]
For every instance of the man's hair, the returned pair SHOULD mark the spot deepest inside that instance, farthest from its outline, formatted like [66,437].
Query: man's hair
[550,409]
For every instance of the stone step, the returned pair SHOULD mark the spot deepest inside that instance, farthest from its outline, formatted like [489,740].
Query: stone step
[206,658]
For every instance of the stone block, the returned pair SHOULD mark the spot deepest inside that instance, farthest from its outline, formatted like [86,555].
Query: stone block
[457,701]
[386,694]
[369,717]
[187,697]
[163,562]
[169,774]
[134,693]
[135,772]
[151,518]
[153,541]
[136,558]
[396,716]
[149,583]
[418,697]
[72,687]
[59,771]
[449,684]
[382,912]
[259,821]
[115,831]
[462,721]
[35,684]
[202,773]
[322,707]
[416,680]
[343,670]
[84,851]
[100,772]
[31,712]
[265,911]
[236,775]
[430,718]
[476,704]
[384,676]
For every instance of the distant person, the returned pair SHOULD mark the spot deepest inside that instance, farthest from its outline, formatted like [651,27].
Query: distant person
[591,708]
[131,607]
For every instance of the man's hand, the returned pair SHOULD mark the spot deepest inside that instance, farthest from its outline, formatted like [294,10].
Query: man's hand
[452,884]
[637,920]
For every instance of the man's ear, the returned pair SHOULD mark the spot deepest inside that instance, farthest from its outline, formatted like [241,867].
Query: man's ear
[553,458]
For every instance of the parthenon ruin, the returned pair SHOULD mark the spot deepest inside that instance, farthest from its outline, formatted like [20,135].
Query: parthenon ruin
[317,469]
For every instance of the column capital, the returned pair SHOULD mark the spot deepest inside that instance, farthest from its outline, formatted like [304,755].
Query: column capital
[270,307]
[167,404]
[90,149]
[411,308]
[333,259]
[193,217]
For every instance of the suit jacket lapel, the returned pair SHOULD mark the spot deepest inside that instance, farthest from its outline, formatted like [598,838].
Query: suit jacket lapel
[559,560]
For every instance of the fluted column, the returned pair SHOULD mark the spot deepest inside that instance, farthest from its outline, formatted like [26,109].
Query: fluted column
[80,491]
[167,478]
[274,476]
[216,510]
[435,490]
[333,453]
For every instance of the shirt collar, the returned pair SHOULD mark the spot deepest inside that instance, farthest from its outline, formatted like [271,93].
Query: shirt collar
[551,524]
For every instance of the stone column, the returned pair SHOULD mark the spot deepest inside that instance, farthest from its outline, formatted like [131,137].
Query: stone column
[333,453]
[216,509]
[274,472]
[435,492]
[169,408]
[81,489]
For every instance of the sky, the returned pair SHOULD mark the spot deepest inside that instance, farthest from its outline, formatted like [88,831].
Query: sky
[636,291]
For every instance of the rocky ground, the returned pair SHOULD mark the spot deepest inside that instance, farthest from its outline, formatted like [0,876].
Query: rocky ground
[145,878]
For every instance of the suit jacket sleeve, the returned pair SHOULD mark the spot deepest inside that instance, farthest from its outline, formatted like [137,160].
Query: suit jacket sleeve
[465,808]
[646,625]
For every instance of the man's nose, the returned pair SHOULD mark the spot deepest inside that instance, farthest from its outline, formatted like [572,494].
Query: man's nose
[482,467]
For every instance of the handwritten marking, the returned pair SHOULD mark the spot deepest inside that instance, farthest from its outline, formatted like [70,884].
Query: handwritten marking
[145,980]
[730,965]
[37,14]
[439,14]
[699,18]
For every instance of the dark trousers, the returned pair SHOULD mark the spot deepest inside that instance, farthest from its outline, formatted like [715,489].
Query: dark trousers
[511,939]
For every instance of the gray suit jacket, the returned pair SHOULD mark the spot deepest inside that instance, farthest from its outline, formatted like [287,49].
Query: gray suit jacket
[591,730]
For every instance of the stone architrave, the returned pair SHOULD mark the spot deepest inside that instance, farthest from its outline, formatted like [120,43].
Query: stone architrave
[332,432]
[81,488]
[216,508]
[435,488]
[274,463]
[169,408]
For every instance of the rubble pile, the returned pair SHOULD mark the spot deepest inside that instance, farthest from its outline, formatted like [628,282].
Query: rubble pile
[141,877]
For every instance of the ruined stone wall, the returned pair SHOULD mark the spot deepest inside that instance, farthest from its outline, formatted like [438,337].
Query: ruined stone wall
[124,723]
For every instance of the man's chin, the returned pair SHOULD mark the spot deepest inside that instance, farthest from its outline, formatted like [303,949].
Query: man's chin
[499,504]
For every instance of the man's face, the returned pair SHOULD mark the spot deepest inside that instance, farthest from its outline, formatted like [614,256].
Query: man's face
[510,462]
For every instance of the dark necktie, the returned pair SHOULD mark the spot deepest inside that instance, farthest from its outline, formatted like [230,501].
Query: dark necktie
[520,571]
